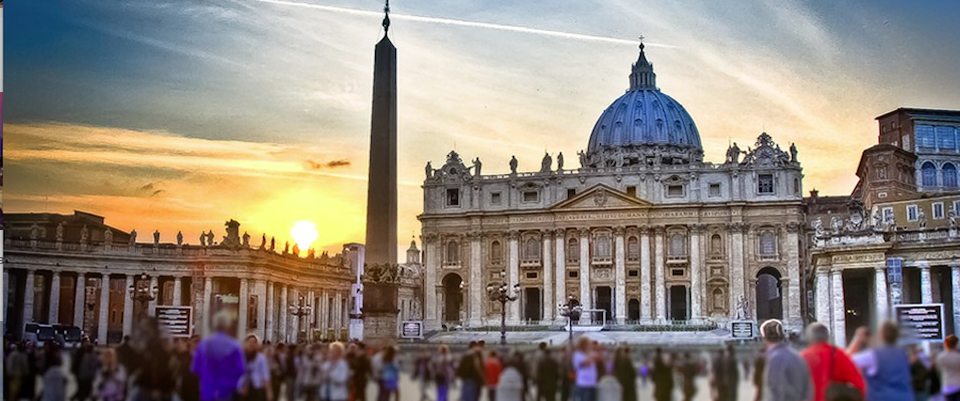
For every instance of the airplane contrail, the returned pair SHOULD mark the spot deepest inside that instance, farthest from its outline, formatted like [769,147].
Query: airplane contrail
[473,24]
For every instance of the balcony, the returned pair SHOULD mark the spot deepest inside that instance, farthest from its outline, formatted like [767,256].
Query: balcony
[770,257]
[530,263]
[676,259]
[602,260]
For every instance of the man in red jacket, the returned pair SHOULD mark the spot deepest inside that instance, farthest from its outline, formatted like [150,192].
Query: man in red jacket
[819,359]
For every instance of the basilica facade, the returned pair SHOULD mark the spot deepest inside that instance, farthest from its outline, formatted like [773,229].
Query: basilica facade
[643,232]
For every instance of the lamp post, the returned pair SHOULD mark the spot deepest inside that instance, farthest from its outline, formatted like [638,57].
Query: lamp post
[143,293]
[502,294]
[571,310]
[299,310]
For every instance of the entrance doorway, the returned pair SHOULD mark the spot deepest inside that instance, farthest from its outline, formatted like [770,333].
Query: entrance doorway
[856,304]
[769,297]
[633,310]
[452,297]
[678,303]
[531,304]
[604,301]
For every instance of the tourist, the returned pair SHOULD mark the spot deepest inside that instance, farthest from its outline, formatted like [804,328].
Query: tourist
[586,370]
[625,373]
[662,377]
[548,374]
[255,382]
[153,380]
[85,363]
[786,376]
[188,386]
[218,362]
[276,372]
[948,364]
[921,373]
[360,366]
[336,374]
[111,379]
[389,375]
[291,363]
[421,373]
[441,368]
[829,365]
[492,368]
[886,367]
[688,369]
[17,371]
[310,372]
[471,373]
[518,362]
[567,373]
[54,379]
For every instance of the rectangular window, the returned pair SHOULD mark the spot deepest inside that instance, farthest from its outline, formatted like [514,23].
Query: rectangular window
[887,213]
[674,191]
[765,183]
[632,191]
[945,139]
[881,195]
[573,274]
[495,198]
[634,273]
[714,189]
[453,197]
[531,196]
[906,143]
[912,212]
[571,192]
[532,275]
[925,136]
[956,206]
[676,272]
[937,210]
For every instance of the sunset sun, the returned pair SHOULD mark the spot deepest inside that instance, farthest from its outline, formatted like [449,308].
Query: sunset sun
[304,233]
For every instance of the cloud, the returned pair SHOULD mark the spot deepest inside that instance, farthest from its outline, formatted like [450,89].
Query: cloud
[313,165]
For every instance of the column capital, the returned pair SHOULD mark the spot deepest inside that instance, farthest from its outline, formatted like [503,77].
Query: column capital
[738,227]
[560,233]
[659,229]
[513,235]
[696,228]
[584,232]
[632,230]
[431,237]
[923,264]
[618,231]
[793,227]
[644,230]
[475,235]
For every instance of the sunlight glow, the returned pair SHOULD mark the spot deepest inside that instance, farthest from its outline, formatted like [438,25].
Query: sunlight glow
[304,232]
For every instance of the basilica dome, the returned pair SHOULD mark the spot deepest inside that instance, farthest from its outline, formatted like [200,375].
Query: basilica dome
[644,116]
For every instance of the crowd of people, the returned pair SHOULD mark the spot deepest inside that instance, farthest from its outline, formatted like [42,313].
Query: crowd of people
[146,367]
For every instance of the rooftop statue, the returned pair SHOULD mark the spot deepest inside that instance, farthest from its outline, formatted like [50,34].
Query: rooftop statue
[179,238]
[560,161]
[546,164]
[513,164]
[476,167]
[133,237]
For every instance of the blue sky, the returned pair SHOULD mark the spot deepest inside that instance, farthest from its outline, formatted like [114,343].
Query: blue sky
[239,101]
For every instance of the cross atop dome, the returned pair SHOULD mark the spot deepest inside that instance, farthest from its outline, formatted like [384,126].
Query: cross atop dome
[386,17]
[642,75]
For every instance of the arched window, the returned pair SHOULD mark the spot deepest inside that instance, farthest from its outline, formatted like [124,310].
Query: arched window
[949,173]
[719,301]
[768,243]
[633,248]
[602,249]
[928,175]
[531,249]
[678,245]
[716,244]
[573,250]
[496,252]
[453,252]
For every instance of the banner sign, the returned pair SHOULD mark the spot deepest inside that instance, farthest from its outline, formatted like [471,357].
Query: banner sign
[920,322]
[411,329]
[175,321]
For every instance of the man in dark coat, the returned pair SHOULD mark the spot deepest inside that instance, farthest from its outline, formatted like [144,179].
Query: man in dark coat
[548,375]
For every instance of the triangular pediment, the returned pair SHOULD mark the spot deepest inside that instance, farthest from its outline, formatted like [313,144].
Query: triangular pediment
[601,196]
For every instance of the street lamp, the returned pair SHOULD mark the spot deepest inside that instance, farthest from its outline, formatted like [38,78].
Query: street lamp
[143,293]
[571,310]
[299,310]
[502,294]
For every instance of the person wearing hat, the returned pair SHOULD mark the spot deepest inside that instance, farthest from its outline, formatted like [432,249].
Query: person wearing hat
[786,376]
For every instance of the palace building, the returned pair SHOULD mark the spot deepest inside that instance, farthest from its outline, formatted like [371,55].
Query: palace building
[644,229]
[76,270]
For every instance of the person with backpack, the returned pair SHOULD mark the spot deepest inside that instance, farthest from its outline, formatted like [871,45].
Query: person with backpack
[830,366]
[389,376]
[441,368]
[885,367]
[111,380]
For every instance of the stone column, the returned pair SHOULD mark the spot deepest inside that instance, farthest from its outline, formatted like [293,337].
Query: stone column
[53,316]
[736,266]
[586,299]
[661,286]
[880,293]
[177,291]
[794,319]
[955,277]
[474,293]
[513,277]
[207,312]
[547,256]
[28,287]
[645,275]
[152,305]
[696,297]
[432,261]
[560,279]
[104,309]
[620,275]
[926,293]
[823,297]
[242,308]
[839,326]
[6,290]
[338,320]
[284,305]
[271,312]
[79,299]
[261,290]
[128,305]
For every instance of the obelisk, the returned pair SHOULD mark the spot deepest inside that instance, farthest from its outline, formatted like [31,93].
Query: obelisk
[381,242]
